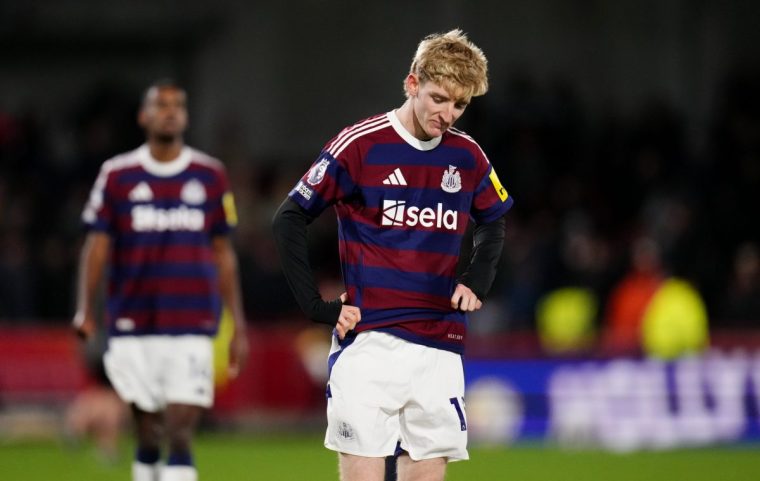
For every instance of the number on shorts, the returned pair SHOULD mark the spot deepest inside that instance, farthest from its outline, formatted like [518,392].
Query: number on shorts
[462,422]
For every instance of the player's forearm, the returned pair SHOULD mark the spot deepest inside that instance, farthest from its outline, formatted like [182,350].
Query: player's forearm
[488,243]
[92,263]
[289,225]
[229,281]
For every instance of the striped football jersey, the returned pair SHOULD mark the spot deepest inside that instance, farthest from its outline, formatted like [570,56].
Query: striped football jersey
[161,218]
[403,206]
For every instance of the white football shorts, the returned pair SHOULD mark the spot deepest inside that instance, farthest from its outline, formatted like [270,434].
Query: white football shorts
[384,390]
[153,371]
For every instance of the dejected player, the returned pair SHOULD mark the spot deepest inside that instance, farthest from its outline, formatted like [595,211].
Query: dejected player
[158,217]
[404,185]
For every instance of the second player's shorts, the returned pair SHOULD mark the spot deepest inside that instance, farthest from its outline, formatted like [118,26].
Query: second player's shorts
[384,390]
[153,371]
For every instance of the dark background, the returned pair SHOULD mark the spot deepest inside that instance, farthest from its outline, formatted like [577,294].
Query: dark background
[608,122]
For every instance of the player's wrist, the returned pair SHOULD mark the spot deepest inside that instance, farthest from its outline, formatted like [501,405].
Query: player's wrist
[326,312]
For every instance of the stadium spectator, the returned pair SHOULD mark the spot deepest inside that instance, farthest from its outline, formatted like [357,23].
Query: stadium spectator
[630,297]
[740,303]
[159,218]
[403,184]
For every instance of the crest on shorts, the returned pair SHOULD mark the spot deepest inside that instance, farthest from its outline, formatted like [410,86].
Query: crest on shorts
[452,181]
[193,192]
[317,173]
[345,430]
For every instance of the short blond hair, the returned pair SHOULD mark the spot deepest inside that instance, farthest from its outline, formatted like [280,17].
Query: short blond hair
[452,61]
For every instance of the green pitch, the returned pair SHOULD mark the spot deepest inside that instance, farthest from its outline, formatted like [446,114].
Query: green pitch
[301,458]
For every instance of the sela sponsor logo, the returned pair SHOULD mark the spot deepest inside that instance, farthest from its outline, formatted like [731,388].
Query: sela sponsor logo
[398,213]
[451,181]
[147,218]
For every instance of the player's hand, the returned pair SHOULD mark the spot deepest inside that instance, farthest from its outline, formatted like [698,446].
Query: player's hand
[464,299]
[238,353]
[348,318]
[83,325]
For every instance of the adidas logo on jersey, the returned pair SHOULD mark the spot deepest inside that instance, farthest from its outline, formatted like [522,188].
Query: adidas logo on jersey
[141,193]
[397,213]
[396,178]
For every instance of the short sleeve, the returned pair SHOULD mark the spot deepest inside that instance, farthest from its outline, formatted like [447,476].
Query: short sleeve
[490,199]
[223,211]
[99,212]
[328,181]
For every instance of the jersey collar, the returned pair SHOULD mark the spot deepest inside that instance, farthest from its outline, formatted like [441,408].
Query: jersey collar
[409,138]
[163,169]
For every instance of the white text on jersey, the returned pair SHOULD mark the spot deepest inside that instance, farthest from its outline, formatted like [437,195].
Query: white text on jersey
[396,213]
[147,218]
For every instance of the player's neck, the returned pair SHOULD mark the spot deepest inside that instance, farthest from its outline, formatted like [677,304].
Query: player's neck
[165,151]
[405,114]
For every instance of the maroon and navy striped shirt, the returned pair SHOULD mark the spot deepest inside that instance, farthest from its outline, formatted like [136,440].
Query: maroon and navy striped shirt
[403,206]
[161,218]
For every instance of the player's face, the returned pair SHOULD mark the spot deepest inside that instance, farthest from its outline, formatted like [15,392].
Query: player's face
[435,108]
[164,113]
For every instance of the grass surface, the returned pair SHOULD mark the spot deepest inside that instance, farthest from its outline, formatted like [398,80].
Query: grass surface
[299,458]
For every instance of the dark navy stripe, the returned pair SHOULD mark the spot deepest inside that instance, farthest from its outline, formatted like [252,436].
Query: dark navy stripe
[401,239]
[402,280]
[404,154]
[494,212]
[332,358]
[418,197]
[201,270]
[165,238]
[125,207]
[150,331]
[166,303]
[376,316]
[313,205]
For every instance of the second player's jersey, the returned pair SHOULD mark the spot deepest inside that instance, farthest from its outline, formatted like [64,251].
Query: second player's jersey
[403,206]
[161,218]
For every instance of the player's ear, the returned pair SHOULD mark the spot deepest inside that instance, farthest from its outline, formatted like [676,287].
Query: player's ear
[412,84]
[141,118]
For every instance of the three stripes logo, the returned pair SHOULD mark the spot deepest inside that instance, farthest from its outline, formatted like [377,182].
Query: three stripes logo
[396,178]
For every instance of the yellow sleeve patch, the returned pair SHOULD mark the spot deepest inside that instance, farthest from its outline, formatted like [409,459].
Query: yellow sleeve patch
[500,190]
[229,209]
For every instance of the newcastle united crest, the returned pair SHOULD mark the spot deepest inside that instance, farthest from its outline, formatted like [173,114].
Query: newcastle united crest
[452,181]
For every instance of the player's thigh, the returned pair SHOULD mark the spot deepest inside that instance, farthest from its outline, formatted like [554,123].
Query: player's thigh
[187,370]
[434,421]
[361,468]
[365,395]
[132,373]
[427,469]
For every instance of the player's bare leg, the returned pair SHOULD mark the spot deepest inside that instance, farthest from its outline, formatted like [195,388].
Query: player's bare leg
[149,432]
[181,423]
[424,470]
[361,468]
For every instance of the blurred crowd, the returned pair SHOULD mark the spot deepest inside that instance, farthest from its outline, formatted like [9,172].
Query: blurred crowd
[607,205]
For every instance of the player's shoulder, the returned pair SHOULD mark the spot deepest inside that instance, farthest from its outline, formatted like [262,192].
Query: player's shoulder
[460,138]
[358,132]
[207,166]
[121,162]
[204,160]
